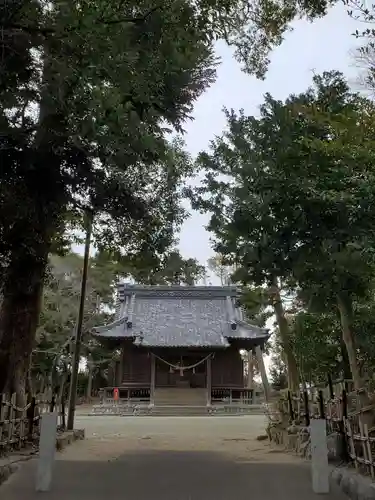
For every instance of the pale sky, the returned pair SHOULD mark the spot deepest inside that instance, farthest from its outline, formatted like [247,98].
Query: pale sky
[312,47]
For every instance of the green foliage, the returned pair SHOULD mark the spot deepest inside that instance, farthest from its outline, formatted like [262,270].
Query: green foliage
[253,27]
[102,119]
[255,302]
[316,342]
[60,310]
[169,268]
[292,195]
[278,374]
[108,79]
[289,183]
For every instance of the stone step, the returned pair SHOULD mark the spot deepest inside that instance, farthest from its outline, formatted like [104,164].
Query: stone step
[178,401]
[180,389]
[177,410]
[180,404]
[180,397]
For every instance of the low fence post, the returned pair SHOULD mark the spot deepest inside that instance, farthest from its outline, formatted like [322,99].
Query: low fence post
[319,456]
[344,414]
[30,415]
[12,415]
[47,449]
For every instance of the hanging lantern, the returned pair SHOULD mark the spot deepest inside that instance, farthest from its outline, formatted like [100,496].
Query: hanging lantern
[193,370]
[181,372]
[170,369]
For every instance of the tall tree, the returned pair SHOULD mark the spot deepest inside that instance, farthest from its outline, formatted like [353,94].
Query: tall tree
[301,199]
[99,139]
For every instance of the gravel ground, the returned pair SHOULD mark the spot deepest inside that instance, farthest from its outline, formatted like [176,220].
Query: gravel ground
[108,437]
[169,458]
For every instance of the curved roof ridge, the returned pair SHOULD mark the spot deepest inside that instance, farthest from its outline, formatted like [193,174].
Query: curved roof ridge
[109,326]
[241,322]
[125,289]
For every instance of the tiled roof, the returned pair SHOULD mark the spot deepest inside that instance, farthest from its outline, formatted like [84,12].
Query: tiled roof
[179,317]
[246,331]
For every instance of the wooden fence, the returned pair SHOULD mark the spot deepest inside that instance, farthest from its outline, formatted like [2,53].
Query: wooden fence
[20,427]
[348,412]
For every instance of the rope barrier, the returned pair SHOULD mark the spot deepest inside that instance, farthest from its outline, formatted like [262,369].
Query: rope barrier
[183,368]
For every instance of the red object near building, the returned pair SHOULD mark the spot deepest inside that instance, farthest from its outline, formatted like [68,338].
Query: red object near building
[115,394]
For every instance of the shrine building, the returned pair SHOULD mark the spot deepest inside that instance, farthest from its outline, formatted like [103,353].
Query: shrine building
[180,347]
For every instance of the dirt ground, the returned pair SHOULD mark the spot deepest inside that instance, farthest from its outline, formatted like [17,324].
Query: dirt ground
[108,437]
[169,458]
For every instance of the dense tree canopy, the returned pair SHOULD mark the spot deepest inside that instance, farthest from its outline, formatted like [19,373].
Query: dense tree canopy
[292,194]
[88,94]
[98,139]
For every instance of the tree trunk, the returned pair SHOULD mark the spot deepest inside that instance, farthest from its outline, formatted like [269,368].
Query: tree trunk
[29,382]
[345,360]
[345,308]
[263,374]
[42,384]
[250,370]
[293,374]
[63,380]
[19,315]
[89,381]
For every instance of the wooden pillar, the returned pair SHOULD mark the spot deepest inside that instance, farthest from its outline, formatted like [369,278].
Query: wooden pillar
[120,371]
[263,374]
[209,380]
[118,374]
[250,370]
[152,381]
[90,369]
[111,374]
[250,377]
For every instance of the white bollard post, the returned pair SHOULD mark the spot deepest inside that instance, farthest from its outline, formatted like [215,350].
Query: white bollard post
[319,456]
[47,449]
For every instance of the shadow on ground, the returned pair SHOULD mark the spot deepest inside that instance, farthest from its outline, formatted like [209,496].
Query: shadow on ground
[166,475]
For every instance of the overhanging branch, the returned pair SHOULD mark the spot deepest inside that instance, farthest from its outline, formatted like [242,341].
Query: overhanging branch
[35,30]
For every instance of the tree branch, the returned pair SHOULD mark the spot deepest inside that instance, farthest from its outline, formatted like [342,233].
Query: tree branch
[108,22]
[133,20]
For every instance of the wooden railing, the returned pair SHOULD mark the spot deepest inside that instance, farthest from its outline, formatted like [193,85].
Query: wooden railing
[126,395]
[233,396]
[349,413]
[219,395]
[137,400]
[19,426]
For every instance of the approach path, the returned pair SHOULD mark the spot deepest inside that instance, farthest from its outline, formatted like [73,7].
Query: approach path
[169,458]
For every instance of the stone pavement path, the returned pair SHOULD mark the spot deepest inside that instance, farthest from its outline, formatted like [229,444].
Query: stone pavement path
[169,459]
